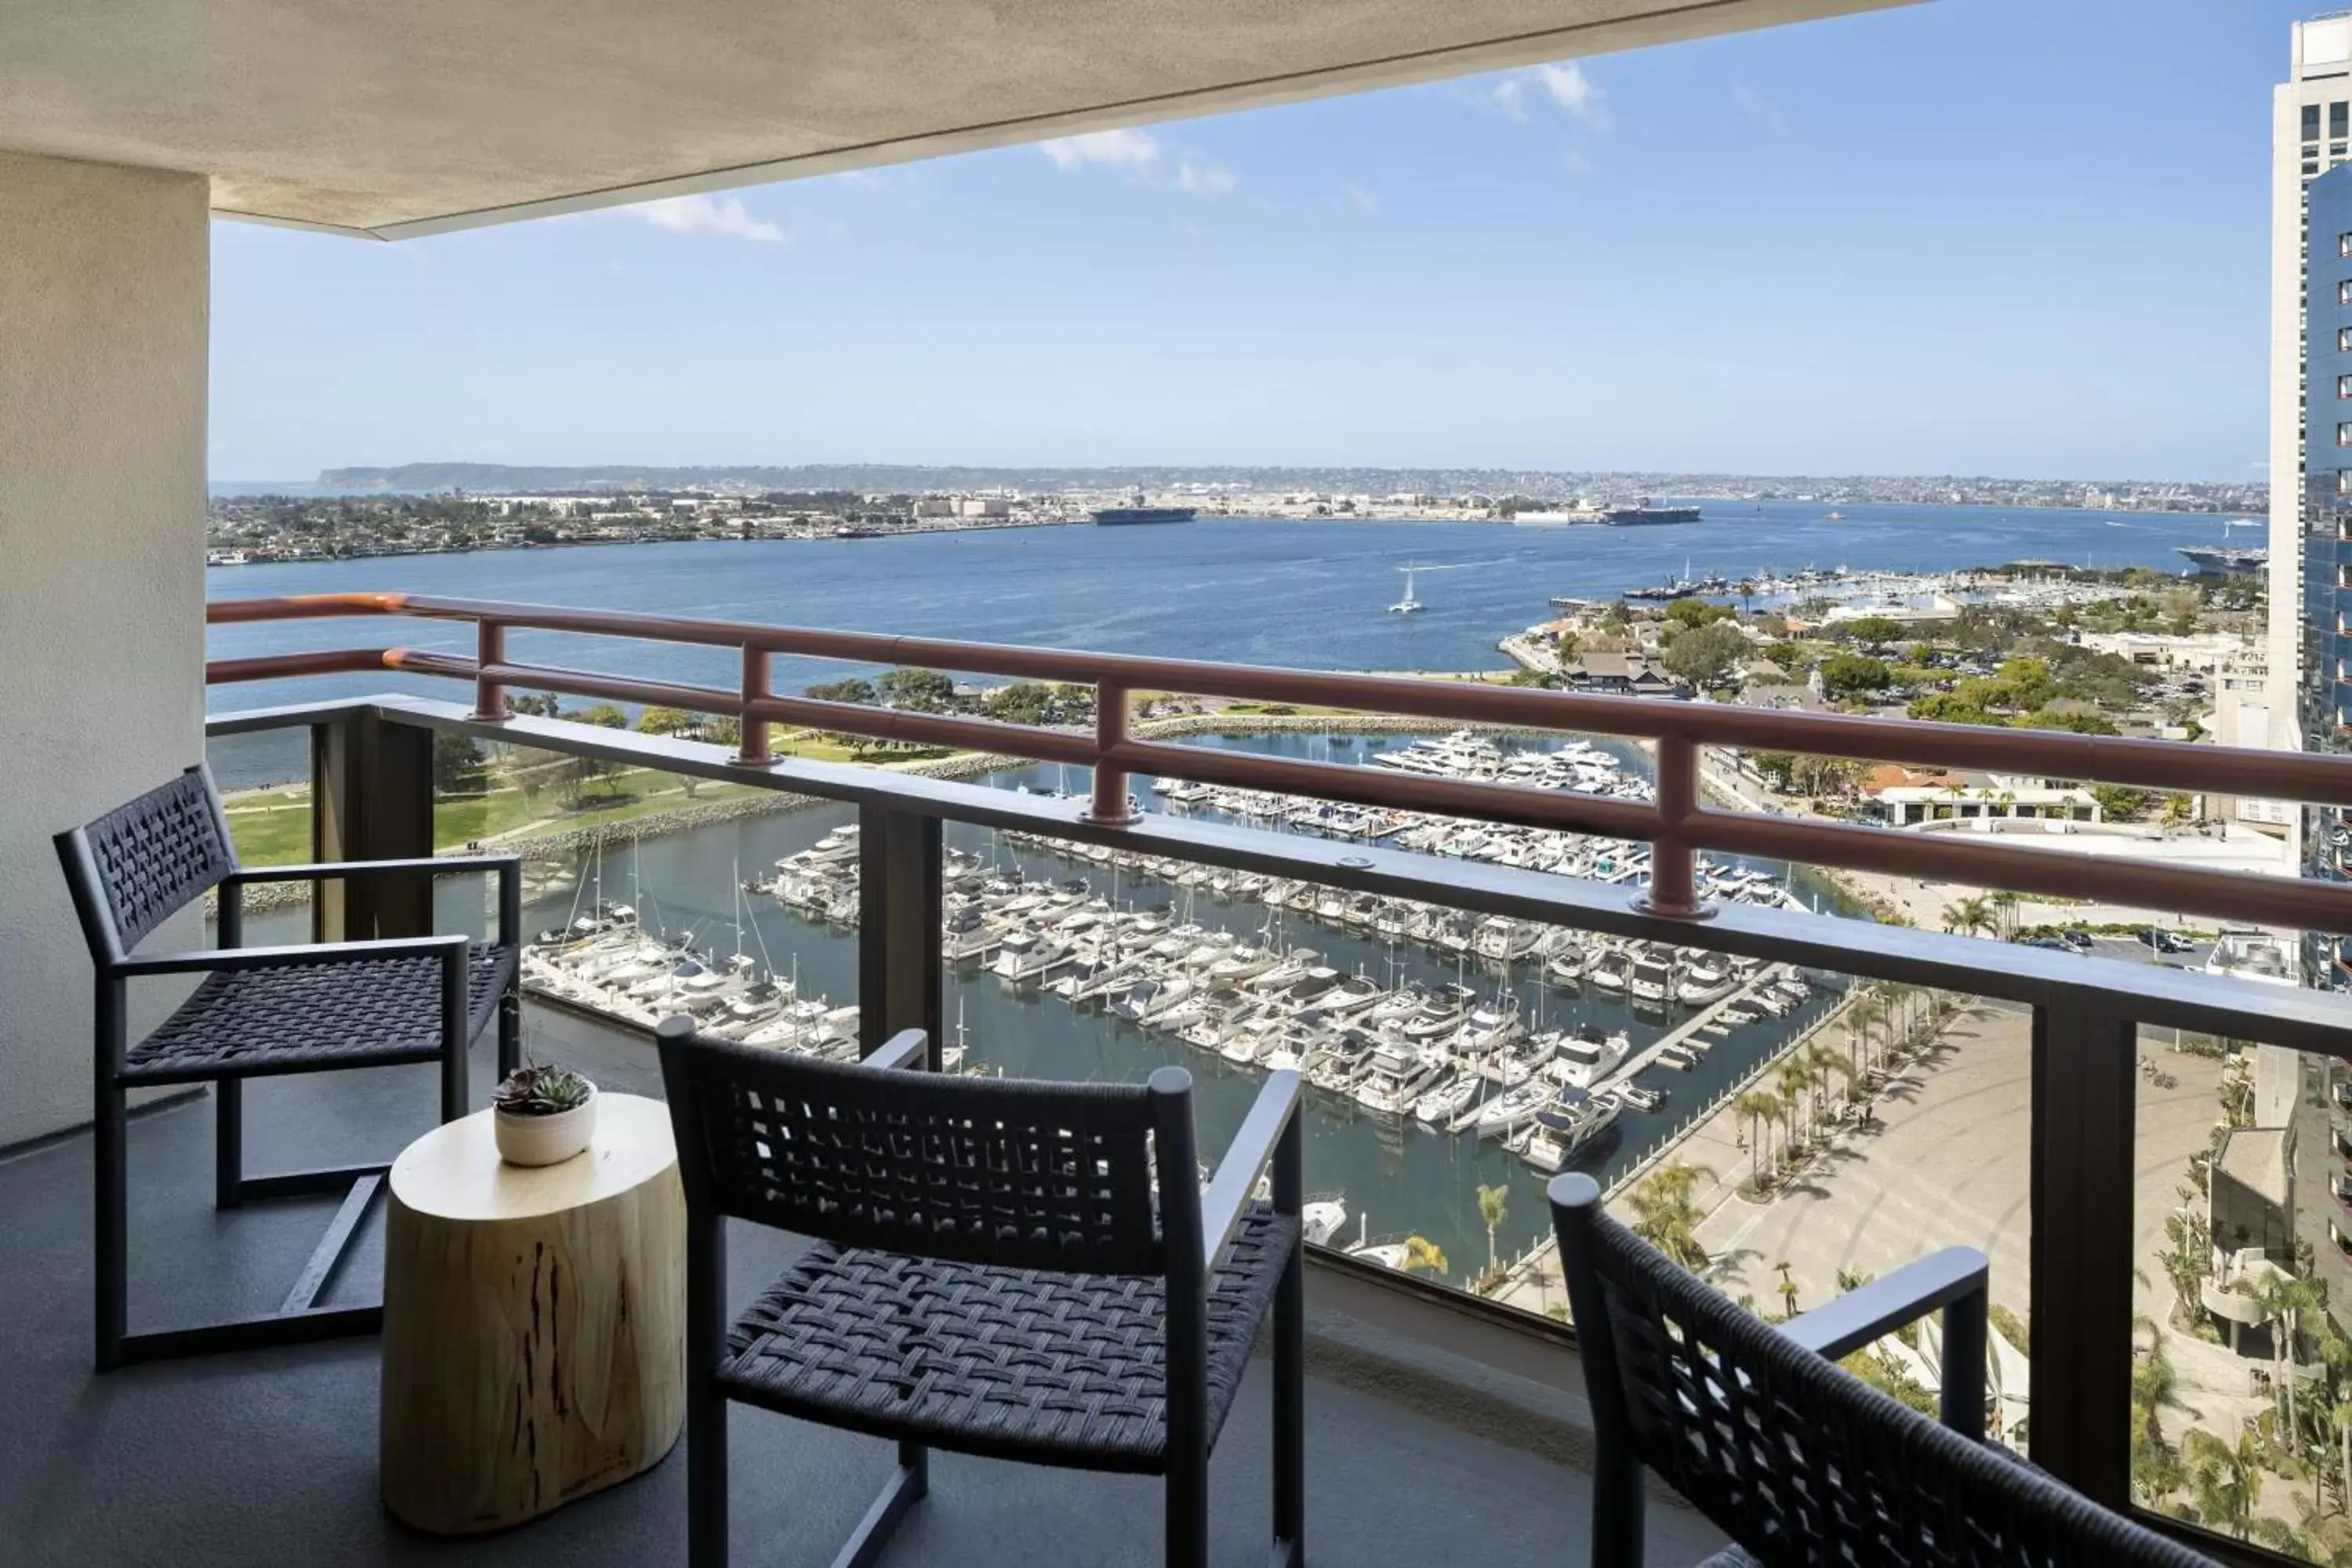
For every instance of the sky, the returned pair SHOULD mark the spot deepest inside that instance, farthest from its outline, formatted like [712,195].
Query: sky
[2013,237]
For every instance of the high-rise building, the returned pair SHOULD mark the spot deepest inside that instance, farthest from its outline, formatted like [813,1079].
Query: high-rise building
[2311,132]
[2323,537]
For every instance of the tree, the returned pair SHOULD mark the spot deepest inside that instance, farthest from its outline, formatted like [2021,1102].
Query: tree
[2004,909]
[1874,631]
[1567,646]
[1023,702]
[1787,1287]
[1423,1255]
[1491,1209]
[536,704]
[458,764]
[603,715]
[1665,1216]
[856,690]
[1704,655]
[668,721]
[1696,612]
[2120,803]
[1760,1111]
[2225,1479]
[917,691]
[1789,656]
[1852,675]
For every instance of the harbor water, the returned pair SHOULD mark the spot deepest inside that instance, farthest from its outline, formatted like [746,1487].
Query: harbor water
[1396,1176]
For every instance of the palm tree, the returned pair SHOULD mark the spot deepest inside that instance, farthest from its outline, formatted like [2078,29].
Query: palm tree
[1787,1287]
[1861,1016]
[2004,906]
[1422,1254]
[1761,1111]
[2281,1298]
[1664,1215]
[2225,1479]
[1826,1064]
[2156,1470]
[1491,1201]
[1795,1081]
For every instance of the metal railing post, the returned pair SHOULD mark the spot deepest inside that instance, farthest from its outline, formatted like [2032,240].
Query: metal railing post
[1673,865]
[751,749]
[898,960]
[2080,1244]
[371,799]
[1110,808]
[489,650]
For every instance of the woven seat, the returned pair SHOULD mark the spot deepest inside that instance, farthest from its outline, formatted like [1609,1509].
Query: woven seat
[306,1008]
[307,1017]
[1014,1364]
[998,1269]
[1796,1459]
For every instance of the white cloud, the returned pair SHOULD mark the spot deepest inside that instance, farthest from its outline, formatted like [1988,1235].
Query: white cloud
[1362,199]
[724,215]
[1125,149]
[1757,107]
[1205,179]
[1574,91]
[1510,97]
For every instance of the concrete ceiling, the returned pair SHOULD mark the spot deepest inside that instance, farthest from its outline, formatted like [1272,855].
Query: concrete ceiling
[394,117]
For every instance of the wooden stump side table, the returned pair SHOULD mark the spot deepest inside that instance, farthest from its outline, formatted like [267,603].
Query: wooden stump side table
[534,1320]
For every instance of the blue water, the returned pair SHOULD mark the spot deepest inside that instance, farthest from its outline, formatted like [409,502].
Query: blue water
[1313,594]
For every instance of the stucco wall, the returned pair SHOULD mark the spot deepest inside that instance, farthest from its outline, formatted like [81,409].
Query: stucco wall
[104,280]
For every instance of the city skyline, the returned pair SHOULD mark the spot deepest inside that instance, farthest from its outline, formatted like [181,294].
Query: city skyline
[1752,254]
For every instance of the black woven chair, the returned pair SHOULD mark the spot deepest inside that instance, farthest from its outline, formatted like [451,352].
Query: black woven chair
[1796,1459]
[259,1011]
[993,1274]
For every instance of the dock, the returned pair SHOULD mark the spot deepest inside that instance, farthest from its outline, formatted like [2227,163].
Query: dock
[1648,1055]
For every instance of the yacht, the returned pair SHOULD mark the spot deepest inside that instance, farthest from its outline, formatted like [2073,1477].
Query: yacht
[1450,1098]
[1587,1056]
[1571,1125]
[1513,1109]
[1396,1077]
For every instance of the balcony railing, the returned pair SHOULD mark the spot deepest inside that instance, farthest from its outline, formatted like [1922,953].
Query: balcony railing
[372,791]
[1675,826]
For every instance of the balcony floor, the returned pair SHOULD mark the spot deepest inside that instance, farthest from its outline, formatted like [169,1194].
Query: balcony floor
[271,1456]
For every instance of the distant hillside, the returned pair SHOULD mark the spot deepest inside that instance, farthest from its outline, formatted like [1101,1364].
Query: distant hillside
[897,478]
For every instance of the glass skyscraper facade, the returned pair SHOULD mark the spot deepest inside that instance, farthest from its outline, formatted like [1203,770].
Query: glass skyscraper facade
[2324,703]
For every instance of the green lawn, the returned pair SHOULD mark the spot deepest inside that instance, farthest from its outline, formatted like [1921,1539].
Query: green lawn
[272,826]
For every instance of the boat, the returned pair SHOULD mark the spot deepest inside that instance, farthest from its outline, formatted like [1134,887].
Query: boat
[1408,606]
[1587,1056]
[1569,1126]
[1677,1058]
[1396,1077]
[1118,516]
[1450,1099]
[1640,1098]
[1513,1109]
[1647,513]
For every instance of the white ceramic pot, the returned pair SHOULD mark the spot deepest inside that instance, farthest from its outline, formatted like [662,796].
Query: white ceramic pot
[545,1140]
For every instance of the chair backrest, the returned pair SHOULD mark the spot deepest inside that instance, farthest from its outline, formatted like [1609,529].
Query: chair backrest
[1792,1457]
[974,1170]
[143,861]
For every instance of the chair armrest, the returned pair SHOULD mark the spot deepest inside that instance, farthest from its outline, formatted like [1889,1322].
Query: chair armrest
[908,1050]
[1955,1280]
[1879,1307]
[229,959]
[1275,1114]
[319,870]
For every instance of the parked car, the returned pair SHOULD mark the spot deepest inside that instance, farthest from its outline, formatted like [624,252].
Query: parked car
[2166,940]
[2076,941]
[2049,942]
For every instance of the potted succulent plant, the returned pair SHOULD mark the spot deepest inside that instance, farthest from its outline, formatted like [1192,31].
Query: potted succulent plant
[544,1114]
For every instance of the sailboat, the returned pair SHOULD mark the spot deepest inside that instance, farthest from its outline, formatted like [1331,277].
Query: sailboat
[1408,606]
